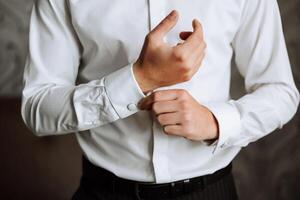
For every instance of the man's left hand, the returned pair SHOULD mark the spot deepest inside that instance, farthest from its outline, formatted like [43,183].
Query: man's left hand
[180,114]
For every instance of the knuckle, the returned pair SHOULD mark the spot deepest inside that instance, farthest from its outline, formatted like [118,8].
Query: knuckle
[156,96]
[185,132]
[183,106]
[181,94]
[155,107]
[179,55]
[161,119]
[188,64]
[188,132]
[186,117]
[184,69]
[186,76]
[183,58]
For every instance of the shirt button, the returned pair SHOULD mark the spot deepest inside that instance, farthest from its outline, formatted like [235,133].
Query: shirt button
[132,107]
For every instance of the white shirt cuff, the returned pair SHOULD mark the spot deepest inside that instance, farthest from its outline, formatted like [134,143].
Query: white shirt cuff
[123,91]
[229,123]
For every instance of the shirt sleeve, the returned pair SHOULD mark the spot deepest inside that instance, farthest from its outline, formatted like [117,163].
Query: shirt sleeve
[261,58]
[51,101]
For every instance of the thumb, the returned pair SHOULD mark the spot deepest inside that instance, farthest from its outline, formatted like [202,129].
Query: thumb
[165,25]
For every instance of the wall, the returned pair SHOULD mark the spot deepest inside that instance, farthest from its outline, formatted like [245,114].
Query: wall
[49,168]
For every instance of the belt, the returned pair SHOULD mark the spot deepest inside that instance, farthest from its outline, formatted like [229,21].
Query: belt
[101,179]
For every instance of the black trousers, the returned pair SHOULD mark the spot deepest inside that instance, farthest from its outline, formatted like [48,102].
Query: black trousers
[223,189]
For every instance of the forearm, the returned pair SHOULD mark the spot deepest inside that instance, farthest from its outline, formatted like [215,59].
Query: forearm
[52,109]
[65,109]
[254,115]
[269,107]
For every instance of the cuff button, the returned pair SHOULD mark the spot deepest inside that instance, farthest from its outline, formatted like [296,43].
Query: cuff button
[132,107]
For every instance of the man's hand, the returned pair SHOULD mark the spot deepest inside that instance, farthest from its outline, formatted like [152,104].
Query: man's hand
[180,114]
[162,65]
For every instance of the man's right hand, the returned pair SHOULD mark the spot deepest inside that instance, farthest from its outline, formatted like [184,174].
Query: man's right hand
[162,65]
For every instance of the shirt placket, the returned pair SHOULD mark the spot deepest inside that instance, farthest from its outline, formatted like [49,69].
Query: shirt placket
[157,11]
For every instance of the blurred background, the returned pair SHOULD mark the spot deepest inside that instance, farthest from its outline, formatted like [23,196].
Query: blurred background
[49,168]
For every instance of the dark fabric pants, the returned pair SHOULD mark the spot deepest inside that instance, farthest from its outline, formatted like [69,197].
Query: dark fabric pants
[224,189]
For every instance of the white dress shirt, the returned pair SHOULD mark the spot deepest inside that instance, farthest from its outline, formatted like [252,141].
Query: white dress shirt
[78,78]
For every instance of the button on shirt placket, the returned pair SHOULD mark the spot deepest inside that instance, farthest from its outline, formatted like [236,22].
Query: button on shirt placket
[157,11]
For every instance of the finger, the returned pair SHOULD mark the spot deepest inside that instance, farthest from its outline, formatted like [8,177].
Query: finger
[195,39]
[185,34]
[174,130]
[165,25]
[194,54]
[165,107]
[162,95]
[197,30]
[169,119]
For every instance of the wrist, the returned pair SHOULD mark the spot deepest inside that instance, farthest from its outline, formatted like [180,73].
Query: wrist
[214,130]
[143,81]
